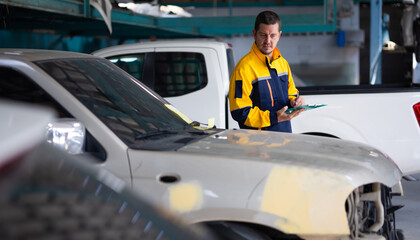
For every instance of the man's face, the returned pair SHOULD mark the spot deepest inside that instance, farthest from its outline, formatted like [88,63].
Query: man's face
[266,38]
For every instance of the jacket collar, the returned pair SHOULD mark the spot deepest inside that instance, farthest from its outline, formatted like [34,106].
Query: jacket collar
[264,58]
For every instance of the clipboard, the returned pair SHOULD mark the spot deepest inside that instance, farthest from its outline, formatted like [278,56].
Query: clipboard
[306,107]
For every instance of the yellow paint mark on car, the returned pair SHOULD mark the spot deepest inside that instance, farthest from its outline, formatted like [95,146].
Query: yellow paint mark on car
[185,197]
[298,194]
[179,113]
[244,138]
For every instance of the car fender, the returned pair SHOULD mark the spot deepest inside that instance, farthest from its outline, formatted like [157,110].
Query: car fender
[320,124]
[282,193]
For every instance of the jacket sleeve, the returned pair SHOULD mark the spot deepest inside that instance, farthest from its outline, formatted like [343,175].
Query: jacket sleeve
[293,91]
[241,107]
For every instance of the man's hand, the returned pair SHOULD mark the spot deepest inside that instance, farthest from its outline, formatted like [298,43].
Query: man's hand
[297,101]
[282,116]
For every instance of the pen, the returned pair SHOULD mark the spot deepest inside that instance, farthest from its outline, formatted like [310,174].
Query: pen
[297,95]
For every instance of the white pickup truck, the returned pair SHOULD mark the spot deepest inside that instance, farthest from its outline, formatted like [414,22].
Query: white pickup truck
[193,75]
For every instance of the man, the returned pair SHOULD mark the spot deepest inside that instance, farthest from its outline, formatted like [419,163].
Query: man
[261,86]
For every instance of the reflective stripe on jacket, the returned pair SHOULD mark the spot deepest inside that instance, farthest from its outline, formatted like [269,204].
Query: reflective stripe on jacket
[259,88]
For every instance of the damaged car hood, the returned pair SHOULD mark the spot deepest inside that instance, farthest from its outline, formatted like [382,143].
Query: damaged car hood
[308,178]
[359,163]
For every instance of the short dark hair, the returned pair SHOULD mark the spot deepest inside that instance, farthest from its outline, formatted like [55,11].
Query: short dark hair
[267,17]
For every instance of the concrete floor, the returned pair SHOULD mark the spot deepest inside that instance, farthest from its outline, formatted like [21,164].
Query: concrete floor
[408,217]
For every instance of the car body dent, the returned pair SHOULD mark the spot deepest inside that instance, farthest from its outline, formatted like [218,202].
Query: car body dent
[290,182]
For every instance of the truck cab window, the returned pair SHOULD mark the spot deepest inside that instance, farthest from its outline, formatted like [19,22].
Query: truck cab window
[179,73]
[169,74]
[133,64]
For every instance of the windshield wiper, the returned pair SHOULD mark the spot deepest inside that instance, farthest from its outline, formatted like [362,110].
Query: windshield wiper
[158,132]
[193,128]
[190,128]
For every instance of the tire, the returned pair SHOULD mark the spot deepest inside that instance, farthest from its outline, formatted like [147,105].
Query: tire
[236,231]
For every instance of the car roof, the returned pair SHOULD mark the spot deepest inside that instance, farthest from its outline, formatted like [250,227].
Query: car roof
[187,43]
[38,54]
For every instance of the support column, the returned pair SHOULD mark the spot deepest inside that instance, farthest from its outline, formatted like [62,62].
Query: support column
[375,76]
[86,8]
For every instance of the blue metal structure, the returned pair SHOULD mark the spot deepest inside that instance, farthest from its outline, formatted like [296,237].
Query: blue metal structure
[81,19]
[75,25]
[376,42]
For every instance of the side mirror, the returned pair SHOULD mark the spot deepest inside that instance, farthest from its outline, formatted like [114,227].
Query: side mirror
[67,134]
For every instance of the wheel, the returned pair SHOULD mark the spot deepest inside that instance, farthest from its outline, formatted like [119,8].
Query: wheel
[388,229]
[247,231]
[236,231]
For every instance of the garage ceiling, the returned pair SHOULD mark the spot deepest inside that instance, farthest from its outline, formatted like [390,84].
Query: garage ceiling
[77,18]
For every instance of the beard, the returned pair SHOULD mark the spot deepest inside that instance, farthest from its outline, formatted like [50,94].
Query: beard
[266,51]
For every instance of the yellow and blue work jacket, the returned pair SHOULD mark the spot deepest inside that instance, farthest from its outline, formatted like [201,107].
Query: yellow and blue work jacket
[259,88]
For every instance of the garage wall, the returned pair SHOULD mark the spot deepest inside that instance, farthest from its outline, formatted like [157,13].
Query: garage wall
[315,58]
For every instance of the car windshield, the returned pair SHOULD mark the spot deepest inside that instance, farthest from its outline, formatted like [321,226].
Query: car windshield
[131,110]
